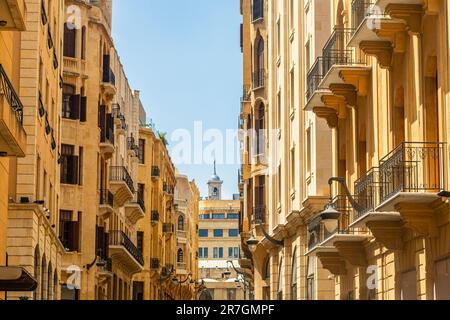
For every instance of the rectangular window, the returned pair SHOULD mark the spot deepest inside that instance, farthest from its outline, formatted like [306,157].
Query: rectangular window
[140,241]
[205,253]
[308,151]
[233,216]
[233,233]
[141,151]
[200,253]
[70,36]
[69,231]
[236,252]
[203,233]
[220,252]
[218,216]
[69,165]
[230,252]
[218,233]
[216,253]
[205,217]
[293,169]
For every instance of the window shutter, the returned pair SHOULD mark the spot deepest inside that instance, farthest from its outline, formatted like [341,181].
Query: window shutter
[83,110]
[106,67]
[72,169]
[106,244]
[102,121]
[75,236]
[75,107]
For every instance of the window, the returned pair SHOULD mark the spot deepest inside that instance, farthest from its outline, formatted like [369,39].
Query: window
[233,216]
[70,36]
[71,105]
[218,233]
[258,9]
[205,253]
[236,252]
[280,281]
[141,151]
[220,252]
[230,252]
[294,276]
[291,14]
[310,294]
[218,216]
[233,233]
[205,216]
[200,253]
[216,253]
[308,151]
[69,165]
[180,256]
[292,169]
[203,233]
[140,241]
[83,42]
[180,223]
[69,231]
[231,294]
[260,130]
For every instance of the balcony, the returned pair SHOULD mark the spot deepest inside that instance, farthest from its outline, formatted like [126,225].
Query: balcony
[259,79]
[106,203]
[246,99]
[259,214]
[105,269]
[168,190]
[154,218]
[107,138]
[340,62]
[135,210]
[412,172]
[181,236]
[121,185]
[375,31]
[132,147]
[13,12]
[123,250]
[74,66]
[119,119]
[340,71]
[324,233]
[13,139]
[109,79]
[314,92]
[168,229]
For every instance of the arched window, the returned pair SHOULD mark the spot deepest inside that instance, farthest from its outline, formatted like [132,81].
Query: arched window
[260,54]
[180,256]
[258,9]
[310,279]
[55,285]
[70,40]
[37,273]
[266,275]
[260,130]
[280,281]
[44,279]
[294,276]
[180,223]
[50,282]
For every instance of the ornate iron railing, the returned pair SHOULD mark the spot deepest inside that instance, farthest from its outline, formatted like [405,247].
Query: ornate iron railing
[7,89]
[363,9]
[412,167]
[314,78]
[259,79]
[119,238]
[106,198]
[367,191]
[259,214]
[121,174]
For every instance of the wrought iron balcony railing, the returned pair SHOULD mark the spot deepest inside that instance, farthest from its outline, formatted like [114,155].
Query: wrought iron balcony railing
[259,214]
[106,198]
[131,145]
[318,231]
[314,78]
[119,238]
[259,79]
[107,135]
[257,10]
[412,167]
[7,89]
[367,192]
[363,9]
[121,174]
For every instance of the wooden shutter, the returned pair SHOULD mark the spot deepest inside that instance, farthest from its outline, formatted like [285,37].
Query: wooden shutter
[83,106]
[106,244]
[69,41]
[75,231]
[75,102]
[102,121]
[72,169]
[106,67]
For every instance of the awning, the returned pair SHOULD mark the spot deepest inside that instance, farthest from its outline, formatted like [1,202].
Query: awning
[16,279]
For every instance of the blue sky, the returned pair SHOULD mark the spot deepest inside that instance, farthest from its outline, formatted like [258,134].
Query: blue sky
[185,58]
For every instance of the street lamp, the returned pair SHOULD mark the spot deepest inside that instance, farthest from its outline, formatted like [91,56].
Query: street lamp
[252,242]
